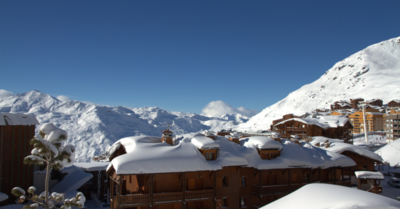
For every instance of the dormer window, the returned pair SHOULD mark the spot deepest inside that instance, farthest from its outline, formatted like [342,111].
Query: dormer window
[210,156]
[268,154]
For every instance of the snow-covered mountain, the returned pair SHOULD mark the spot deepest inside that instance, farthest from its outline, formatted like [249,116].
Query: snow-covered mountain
[371,73]
[94,128]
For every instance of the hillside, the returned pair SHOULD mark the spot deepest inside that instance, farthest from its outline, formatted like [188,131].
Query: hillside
[373,72]
[94,128]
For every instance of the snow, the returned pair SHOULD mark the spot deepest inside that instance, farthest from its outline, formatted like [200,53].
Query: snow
[341,147]
[390,153]
[369,175]
[92,129]
[3,197]
[203,142]
[262,143]
[324,196]
[373,72]
[73,181]
[322,139]
[144,156]
[293,155]
[17,119]
[93,166]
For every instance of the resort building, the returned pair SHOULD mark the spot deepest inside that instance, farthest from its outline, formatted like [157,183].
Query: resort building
[328,126]
[198,172]
[373,120]
[392,127]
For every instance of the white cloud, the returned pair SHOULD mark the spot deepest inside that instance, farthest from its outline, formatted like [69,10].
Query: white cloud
[218,108]
[5,93]
[63,98]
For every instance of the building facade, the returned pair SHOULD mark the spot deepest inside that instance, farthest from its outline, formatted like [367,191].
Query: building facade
[373,120]
[171,178]
[16,131]
[392,127]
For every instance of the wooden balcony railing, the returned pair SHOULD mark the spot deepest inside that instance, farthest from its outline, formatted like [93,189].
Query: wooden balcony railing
[200,194]
[169,197]
[135,200]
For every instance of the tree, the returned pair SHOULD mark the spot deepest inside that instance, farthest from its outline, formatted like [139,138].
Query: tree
[49,150]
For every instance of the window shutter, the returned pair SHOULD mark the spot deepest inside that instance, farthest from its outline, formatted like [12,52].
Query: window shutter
[219,181]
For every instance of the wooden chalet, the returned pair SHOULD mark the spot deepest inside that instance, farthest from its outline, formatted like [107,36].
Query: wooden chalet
[16,131]
[328,126]
[355,102]
[365,161]
[181,175]
[394,104]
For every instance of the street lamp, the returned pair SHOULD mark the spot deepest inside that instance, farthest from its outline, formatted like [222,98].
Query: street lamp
[363,104]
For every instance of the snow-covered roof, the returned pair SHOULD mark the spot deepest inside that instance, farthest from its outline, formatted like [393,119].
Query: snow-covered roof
[338,147]
[317,196]
[3,197]
[261,142]
[322,139]
[17,119]
[390,153]
[93,166]
[369,175]
[292,155]
[328,121]
[72,181]
[146,156]
[203,142]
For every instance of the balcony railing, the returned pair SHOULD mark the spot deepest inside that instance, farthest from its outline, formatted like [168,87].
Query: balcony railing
[200,194]
[168,197]
[276,189]
[135,200]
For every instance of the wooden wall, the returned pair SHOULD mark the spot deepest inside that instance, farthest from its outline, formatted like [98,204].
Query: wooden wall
[14,142]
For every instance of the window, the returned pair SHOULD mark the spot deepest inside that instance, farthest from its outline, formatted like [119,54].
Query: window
[243,181]
[225,181]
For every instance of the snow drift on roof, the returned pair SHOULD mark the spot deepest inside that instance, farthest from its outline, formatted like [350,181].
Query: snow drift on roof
[333,196]
[322,139]
[203,142]
[17,119]
[293,155]
[369,175]
[144,156]
[341,147]
[261,142]
[93,166]
[390,153]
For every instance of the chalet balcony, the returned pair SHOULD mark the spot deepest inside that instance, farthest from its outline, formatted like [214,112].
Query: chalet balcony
[142,200]
[296,129]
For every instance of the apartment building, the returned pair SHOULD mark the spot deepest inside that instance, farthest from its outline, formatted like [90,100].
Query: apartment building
[198,172]
[392,127]
[373,120]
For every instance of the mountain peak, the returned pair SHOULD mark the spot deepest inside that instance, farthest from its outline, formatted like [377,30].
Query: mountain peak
[373,72]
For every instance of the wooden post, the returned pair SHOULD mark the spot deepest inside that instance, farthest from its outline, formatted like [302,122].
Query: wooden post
[215,190]
[183,189]
[151,190]
[319,175]
[289,179]
[119,192]
[334,175]
[260,189]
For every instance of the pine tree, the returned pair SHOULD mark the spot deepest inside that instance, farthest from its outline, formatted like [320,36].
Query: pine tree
[49,150]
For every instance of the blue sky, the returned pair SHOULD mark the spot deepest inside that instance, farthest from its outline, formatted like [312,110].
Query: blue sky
[181,55]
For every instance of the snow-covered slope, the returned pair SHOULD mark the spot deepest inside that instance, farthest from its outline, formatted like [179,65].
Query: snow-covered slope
[373,72]
[94,128]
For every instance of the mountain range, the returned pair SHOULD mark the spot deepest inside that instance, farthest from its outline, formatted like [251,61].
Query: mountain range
[94,128]
[371,73]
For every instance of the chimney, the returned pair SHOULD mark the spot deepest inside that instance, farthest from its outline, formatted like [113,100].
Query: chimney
[167,136]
